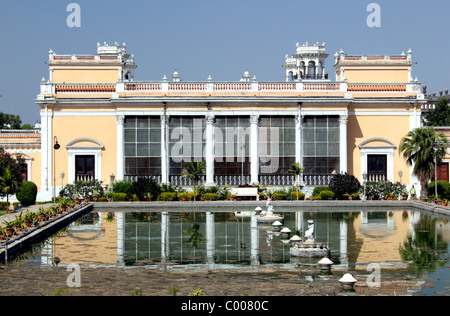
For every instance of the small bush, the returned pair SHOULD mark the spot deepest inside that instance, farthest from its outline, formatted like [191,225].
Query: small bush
[443,189]
[27,193]
[326,195]
[167,196]
[279,196]
[301,196]
[319,189]
[119,197]
[211,196]
[342,184]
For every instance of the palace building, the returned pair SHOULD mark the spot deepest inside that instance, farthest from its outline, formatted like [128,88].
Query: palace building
[246,131]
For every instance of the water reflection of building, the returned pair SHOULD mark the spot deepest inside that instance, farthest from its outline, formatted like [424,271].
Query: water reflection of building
[220,240]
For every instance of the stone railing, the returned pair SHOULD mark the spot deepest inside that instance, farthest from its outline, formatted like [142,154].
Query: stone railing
[224,87]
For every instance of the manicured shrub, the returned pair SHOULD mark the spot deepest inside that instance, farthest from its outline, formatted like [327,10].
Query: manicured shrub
[279,196]
[211,196]
[319,189]
[342,184]
[143,185]
[326,195]
[301,196]
[27,193]
[167,196]
[119,197]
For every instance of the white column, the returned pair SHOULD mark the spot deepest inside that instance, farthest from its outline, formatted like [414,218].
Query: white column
[343,119]
[254,149]
[343,229]
[164,149]
[298,143]
[120,148]
[120,238]
[254,240]
[210,240]
[44,150]
[209,151]
[165,250]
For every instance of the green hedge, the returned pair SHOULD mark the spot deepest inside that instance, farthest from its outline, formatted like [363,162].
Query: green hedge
[326,195]
[27,193]
[119,197]
[167,196]
[301,196]
[443,189]
[211,196]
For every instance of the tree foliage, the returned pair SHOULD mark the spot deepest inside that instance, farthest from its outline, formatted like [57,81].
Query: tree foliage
[342,184]
[10,121]
[417,148]
[440,115]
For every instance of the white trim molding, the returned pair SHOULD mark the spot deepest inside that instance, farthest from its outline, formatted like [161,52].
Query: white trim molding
[387,150]
[74,151]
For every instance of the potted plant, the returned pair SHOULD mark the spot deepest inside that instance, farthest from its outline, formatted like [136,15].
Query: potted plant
[64,204]
[109,196]
[95,195]
[148,196]
[29,218]
[405,195]
[183,196]
[9,228]
[77,198]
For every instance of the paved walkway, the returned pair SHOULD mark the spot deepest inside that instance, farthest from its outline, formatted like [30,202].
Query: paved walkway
[12,215]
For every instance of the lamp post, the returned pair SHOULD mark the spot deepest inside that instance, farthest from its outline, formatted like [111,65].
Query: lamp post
[365,180]
[112,177]
[56,146]
[62,175]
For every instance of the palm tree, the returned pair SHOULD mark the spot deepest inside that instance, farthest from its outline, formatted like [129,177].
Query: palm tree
[418,149]
[8,184]
[193,171]
[296,170]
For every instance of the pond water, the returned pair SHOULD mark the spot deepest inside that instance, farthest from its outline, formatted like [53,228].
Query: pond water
[406,242]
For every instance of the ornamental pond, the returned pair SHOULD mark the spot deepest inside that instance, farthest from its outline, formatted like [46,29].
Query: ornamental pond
[404,243]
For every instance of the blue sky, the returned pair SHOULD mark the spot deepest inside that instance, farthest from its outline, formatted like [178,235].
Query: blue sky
[218,38]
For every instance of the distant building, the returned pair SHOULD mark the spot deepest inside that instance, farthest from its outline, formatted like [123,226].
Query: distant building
[246,131]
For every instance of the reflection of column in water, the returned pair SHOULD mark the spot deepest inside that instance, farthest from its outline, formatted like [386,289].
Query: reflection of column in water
[299,222]
[165,253]
[343,241]
[210,240]
[120,238]
[414,218]
[254,235]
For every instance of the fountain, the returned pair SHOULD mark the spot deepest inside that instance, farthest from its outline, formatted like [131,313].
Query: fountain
[309,248]
[269,216]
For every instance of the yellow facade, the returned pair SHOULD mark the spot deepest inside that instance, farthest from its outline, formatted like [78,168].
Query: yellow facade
[88,99]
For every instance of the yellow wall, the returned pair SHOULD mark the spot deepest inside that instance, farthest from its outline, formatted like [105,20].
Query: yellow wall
[102,129]
[392,128]
[376,75]
[85,75]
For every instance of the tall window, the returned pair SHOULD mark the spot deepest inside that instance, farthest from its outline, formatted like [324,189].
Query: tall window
[377,167]
[232,145]
[143,146]
[276,144]
[186,142]
[321,145]
[84,167]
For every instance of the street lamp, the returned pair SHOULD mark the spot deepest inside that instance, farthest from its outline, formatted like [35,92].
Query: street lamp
[56,146]
[400,174]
